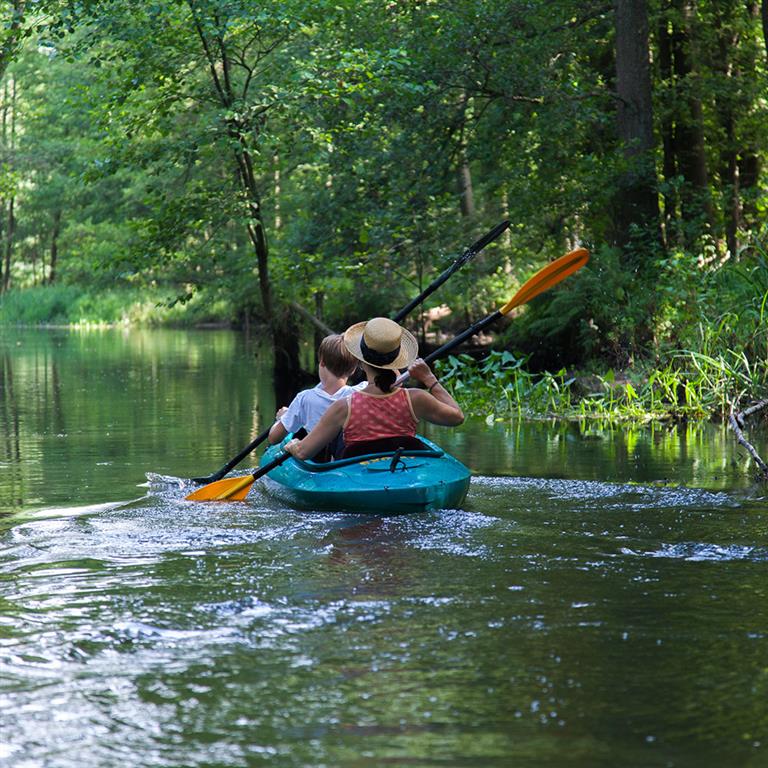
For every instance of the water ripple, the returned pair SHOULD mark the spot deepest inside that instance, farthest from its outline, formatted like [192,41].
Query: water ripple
[698,551]
[621,495]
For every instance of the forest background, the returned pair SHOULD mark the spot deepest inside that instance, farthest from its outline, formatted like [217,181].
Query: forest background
[244,163]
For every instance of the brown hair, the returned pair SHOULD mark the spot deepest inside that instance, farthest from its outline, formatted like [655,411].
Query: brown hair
[333,354]
[384,379]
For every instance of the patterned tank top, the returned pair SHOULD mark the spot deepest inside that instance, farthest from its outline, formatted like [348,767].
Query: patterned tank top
[372,417]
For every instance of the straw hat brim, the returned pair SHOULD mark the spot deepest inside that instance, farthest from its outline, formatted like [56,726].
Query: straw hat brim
[409,347]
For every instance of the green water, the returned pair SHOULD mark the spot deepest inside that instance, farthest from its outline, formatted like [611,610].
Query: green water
[598,601]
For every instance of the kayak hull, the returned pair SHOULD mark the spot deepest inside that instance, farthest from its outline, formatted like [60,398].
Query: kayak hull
[381,483]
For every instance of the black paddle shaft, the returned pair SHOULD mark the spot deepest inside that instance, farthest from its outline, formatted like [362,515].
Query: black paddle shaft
[234,462]
[269,466]
[470,253]
[456,340]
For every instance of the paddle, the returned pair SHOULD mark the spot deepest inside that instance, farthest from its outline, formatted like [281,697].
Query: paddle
[234,488]
[234,462]
[470,253]
[543,280]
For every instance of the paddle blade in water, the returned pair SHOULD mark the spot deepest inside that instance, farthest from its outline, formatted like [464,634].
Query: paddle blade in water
[229,489]
[547,277]
[235,488]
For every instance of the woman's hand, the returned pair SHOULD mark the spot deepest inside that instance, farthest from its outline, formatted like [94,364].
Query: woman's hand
[292,446]
[422,372]
[280,412]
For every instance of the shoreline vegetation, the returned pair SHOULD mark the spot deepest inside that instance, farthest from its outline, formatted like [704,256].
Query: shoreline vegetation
[489,382]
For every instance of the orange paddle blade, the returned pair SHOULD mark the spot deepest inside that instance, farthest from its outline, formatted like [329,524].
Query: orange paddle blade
[229,489]
[548,276]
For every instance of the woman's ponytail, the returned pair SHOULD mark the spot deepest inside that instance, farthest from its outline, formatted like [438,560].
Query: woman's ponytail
[385,379]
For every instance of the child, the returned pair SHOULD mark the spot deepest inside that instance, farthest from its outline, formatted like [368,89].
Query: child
[335,366]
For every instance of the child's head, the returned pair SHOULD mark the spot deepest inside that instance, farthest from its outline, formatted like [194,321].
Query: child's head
[333,354]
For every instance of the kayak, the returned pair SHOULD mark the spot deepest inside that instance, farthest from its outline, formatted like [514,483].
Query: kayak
[394,482]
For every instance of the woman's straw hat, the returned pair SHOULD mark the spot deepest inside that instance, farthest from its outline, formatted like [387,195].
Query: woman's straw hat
[382,343]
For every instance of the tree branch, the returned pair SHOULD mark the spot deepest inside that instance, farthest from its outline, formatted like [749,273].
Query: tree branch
[736,422]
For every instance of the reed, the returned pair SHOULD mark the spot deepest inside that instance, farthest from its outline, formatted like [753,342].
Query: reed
[691,386]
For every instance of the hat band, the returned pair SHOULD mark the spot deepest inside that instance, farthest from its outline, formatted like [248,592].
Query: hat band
[378,358]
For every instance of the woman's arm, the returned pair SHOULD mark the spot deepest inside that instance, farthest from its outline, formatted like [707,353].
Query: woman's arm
[436,404]
[436,408]
[325,430]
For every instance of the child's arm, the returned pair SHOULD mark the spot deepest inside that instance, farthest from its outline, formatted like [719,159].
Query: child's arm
[287,419]
[325,430]
[277,432]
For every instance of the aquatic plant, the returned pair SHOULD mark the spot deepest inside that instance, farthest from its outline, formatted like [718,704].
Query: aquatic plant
[691,386]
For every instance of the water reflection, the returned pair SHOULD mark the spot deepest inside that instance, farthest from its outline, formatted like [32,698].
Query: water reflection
[86,414]
[702,455]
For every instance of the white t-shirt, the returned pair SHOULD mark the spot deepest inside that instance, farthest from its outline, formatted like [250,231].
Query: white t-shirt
[310,404]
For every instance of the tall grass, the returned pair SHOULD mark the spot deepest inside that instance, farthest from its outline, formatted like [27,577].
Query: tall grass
[691,386]
[71,305]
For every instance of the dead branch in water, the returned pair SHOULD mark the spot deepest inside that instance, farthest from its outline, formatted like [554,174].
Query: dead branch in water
[736,422]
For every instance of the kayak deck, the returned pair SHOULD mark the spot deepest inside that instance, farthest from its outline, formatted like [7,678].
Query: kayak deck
[393,482]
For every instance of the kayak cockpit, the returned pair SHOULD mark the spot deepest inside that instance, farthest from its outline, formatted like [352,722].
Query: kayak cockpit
[365,459]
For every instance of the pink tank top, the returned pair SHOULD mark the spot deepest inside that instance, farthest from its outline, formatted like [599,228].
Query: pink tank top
[371,417]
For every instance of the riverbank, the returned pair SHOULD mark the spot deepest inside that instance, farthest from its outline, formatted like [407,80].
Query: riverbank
[497,385]
[121,305]
[688,386]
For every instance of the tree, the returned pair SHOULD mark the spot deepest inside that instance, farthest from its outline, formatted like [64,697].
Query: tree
[637,207]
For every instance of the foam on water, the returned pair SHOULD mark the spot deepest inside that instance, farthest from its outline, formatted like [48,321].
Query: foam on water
[623,494]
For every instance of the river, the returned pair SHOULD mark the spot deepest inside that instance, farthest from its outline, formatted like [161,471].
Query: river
[598,600]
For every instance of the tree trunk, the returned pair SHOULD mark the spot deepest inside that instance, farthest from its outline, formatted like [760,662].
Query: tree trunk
[213,41]
[466,193]
[277,191]
[9,234]
[637,198]
[9,144]
[255,226]
[669,164]
[724,103]
[54,246]
[506,238]
[764,17]
[463,172]
[319,314]
[287,371]
[4,139]
[244,127]
[749,174]
[689,127]
[749,162]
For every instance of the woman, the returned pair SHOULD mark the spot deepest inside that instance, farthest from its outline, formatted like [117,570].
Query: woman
[380,417]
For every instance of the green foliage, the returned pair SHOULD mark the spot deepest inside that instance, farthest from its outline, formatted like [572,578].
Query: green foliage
[692,386]
[500,384]
[41,304]
[71,305]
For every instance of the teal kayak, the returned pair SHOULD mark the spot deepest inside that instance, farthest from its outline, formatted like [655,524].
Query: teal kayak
[395,482]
